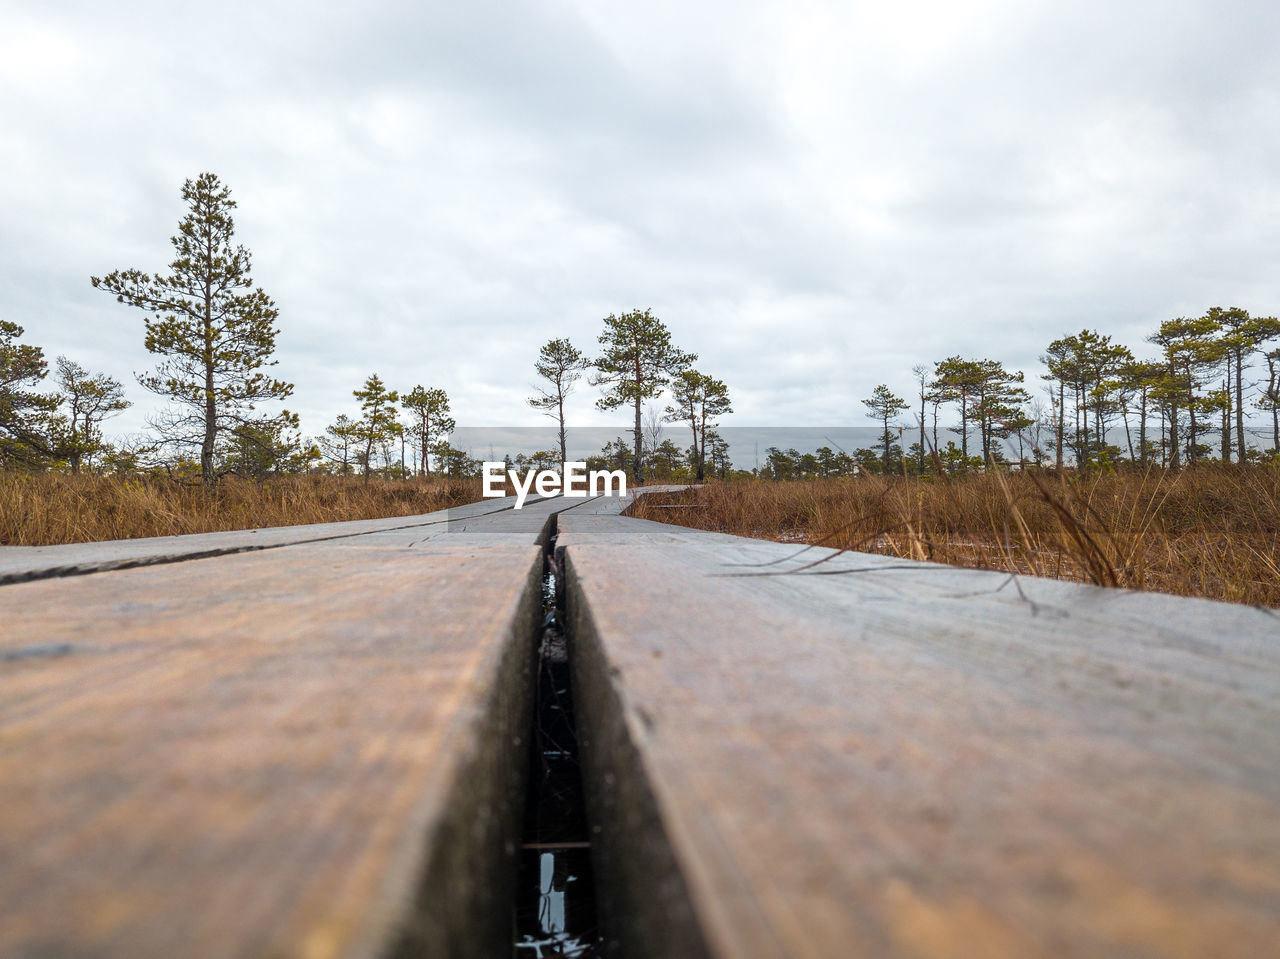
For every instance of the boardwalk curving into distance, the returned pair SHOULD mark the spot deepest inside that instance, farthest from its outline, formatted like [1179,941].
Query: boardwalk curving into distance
[310,742]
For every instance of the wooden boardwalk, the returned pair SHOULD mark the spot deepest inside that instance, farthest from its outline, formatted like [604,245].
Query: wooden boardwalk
[310,743]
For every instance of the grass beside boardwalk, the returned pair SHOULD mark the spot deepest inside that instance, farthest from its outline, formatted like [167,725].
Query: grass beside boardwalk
[44,509]
[1212,531]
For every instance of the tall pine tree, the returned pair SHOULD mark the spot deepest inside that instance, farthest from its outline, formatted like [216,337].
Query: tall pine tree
[215,330]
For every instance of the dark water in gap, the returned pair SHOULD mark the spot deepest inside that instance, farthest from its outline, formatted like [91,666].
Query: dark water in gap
[555,898]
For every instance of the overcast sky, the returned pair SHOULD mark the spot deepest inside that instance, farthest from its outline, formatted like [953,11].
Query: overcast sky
[813,196]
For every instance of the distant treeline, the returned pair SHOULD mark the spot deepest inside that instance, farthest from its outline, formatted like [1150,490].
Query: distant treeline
[213,333]
[1184,405]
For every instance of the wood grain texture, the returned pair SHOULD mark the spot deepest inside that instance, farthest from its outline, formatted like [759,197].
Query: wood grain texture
[303,752]
[884,758]
[25,563]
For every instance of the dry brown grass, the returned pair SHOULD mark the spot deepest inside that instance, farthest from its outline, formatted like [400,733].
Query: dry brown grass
[1210,531]
[49,508]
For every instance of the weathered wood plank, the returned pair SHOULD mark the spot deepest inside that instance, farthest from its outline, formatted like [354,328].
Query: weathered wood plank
[885,758]
[309,751]
[23,563]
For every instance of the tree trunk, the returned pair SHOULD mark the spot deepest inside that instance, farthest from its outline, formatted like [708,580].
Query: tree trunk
[1164,442]
[1226,416]
[210,420]
[1099,429]
[1082,429]
[1240,447]
[426,443]
[639,453]
[1191,425]
[75,441]
[564,446]
[1273,394]
[1128,435]
[922,399]
[699,442]
[983,429]
[1275,423]
[210,402]
[1142,428]
[1062,418]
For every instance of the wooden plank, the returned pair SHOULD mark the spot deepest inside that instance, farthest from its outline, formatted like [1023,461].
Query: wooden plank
[885,758]
[23,563]
[311,751]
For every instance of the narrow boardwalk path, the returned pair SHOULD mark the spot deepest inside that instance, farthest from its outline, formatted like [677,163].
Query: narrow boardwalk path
[312,745]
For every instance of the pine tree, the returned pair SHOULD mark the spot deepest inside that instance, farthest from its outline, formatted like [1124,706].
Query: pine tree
[23,413]
[89,400]
[884,405]
[338,441]
[637,364]
[215,330]
[377,424]
[698,399]
[1270,399]
[1191,349]
[1090,365]
[560,363]
[1242,335]
[431,422]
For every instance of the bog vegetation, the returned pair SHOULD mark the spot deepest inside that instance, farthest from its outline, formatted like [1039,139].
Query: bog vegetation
[1213,531]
